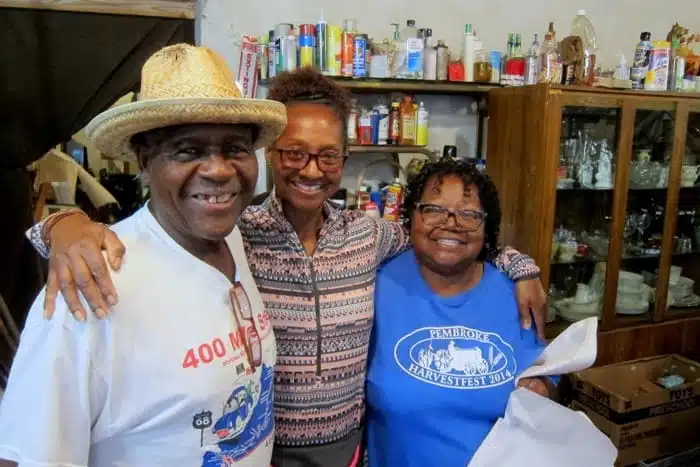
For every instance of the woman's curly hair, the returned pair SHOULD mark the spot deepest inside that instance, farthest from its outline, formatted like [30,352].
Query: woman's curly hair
[470,175]
[309,85]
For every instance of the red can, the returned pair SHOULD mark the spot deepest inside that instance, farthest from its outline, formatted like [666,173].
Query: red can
[307,30]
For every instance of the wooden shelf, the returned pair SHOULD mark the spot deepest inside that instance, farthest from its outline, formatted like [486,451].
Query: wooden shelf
[411,86]
[390,149]
[159,8]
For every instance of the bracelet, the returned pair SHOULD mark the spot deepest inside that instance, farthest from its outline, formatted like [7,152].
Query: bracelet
[51,220]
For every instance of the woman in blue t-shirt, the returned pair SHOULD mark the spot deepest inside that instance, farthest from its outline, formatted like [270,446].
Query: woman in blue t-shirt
[447,344]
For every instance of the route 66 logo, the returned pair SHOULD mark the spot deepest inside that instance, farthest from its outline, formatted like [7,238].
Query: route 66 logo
[202,420]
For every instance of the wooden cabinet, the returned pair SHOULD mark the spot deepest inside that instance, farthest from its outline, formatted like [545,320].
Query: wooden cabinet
[600,187]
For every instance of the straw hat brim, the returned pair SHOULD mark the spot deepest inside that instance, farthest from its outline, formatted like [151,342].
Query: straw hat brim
[111,131]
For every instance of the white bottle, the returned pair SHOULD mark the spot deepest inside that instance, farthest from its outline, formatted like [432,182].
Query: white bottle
[468,52]
[429,57]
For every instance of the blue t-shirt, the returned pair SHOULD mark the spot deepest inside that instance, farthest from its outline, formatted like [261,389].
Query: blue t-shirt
[440,369]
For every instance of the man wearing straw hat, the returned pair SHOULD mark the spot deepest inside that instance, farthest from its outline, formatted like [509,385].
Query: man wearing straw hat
[181,373]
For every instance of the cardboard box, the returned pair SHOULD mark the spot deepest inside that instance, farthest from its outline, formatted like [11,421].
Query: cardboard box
[643,419]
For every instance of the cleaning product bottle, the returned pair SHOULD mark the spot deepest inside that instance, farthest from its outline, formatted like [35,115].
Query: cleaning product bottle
[640,62]
[468,52]
[422,125]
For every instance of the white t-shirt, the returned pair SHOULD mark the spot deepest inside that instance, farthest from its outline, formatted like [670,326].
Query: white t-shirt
[164,381]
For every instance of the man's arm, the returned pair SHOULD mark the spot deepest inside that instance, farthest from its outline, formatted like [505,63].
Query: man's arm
[53,393]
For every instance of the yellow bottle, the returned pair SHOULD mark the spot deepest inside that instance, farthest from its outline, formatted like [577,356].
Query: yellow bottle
[422,126]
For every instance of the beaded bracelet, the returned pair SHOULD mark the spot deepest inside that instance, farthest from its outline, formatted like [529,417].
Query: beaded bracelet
[52,219]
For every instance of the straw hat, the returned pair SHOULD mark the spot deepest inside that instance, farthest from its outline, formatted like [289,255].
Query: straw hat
[183,84]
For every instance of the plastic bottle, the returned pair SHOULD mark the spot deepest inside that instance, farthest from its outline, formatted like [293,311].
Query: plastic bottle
[622,71]
[408,122]
[550,60]
[640,62]
[532,62]
[409,54]
[468,52]
[422,118]
[583,27]
[394,124]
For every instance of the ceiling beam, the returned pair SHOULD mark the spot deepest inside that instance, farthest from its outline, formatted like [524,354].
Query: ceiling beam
[184,9]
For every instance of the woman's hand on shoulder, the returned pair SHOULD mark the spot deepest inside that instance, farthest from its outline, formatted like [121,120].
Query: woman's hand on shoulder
[532,304]
[541,386]
[77,264]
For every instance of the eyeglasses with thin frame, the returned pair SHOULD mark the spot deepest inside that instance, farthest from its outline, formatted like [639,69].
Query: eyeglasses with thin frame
[466,219]
[330,161]
[242,312]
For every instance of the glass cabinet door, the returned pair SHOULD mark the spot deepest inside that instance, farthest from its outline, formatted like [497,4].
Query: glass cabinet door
[645,215]
[683,296]
[583,213]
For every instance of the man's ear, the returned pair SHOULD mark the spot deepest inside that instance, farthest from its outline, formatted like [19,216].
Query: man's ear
[143,162]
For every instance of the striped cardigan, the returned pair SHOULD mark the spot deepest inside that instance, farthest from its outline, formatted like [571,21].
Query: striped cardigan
[321,308]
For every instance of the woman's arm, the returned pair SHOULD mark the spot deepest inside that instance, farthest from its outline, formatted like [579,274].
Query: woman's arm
[73,243]
[392,239]
[532,299]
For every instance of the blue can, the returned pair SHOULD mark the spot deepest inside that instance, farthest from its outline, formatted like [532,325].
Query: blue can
[359,57]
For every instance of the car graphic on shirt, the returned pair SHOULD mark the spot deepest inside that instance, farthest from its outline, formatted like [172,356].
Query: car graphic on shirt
[236,413]
[246,421]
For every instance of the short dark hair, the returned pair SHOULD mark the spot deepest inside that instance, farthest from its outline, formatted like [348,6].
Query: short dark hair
[310,86]
[470,175]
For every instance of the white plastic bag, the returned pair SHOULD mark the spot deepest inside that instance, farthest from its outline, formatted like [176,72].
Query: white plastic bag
[537,432]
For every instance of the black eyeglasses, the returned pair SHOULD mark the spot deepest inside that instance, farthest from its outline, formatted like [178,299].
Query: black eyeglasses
[298,159]
[466,219]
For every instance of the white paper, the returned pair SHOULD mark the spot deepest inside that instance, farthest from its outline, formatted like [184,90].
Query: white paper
[538,432]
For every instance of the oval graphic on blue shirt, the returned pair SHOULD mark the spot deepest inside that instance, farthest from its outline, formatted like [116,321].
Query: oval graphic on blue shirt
[456,357]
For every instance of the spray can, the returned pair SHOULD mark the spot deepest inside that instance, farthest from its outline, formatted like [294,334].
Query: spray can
[334,50]
[282,46]
[347,49]
[443,61]
[306,45]
[322,44]
[359,61]
[394,198]
[271,55]
[263,56]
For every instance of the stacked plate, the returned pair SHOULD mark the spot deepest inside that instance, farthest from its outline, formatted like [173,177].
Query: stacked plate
[681,294]
[633,295]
